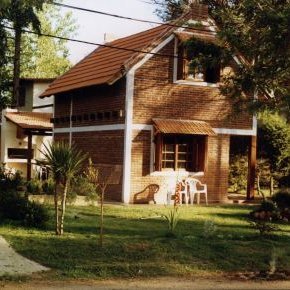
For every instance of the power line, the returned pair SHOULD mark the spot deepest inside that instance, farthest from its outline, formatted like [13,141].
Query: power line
[120,16]
[94,43]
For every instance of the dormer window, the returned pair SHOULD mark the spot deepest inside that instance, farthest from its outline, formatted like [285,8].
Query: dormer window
[195,65]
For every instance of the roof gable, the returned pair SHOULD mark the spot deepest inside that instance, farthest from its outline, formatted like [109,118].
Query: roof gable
[106,64]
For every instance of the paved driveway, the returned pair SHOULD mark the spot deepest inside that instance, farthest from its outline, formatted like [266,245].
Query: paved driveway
[12,263]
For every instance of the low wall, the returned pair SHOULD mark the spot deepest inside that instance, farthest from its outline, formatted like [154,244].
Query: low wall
[48,199]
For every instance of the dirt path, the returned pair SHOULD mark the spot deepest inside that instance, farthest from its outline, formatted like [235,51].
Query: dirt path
[147,284]
[12,263]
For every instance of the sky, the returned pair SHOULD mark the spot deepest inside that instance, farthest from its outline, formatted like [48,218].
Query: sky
[92,27]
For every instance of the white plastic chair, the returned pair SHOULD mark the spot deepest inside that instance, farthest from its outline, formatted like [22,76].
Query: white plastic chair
[192,184]
[171,189]
[183,191]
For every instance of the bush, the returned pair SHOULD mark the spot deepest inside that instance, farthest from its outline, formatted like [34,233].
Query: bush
[266,211]
[238,172]
[9,178]
[13,206]
[34,186]
[82,186]
[48,186]
[282,199]
[36,215]
[284,181]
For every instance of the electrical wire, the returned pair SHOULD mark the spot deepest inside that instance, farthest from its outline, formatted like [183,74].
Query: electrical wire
[94,43]
[120,16]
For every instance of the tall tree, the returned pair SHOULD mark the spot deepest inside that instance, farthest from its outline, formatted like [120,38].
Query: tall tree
[21,14]
[41,57]
[45,57]
[259,32]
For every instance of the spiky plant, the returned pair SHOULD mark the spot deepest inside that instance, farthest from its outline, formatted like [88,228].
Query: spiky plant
[64,161]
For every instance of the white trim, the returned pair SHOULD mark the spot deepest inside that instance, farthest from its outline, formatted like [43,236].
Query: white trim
[242,132]
[53,115]
[176,173]
[142,127]
[70,120]
[96,128]
[146,127]
[126,190]
[196,83]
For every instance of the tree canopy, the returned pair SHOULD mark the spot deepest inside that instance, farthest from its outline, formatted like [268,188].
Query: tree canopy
[29,55]
[259,32]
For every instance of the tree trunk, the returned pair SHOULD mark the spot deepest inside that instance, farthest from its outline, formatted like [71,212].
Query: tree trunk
[63,204]
[102,217]
[271,185]
[258,185]
[16,69]
[56,210]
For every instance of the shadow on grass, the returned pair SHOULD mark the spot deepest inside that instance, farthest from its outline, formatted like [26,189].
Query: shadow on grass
[138,247]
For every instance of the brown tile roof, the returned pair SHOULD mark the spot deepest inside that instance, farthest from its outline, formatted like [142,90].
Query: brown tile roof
[30,120]
[172,126]
[105,65]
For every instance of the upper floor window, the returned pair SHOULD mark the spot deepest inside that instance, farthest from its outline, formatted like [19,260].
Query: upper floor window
[197,65]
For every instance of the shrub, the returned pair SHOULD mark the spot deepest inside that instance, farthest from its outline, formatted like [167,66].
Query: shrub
[13,206]
[82,186]
[282,199]
[9,178]
[36,215]
[34,186]
[238,173]
[48,186]
[266,211]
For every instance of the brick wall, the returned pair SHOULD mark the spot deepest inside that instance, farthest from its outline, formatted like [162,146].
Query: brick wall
[104,147]
[92,100]
[156,96]
[216,175]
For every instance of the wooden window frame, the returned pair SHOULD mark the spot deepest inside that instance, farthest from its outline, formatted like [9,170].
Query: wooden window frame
[199,152]
[210,75]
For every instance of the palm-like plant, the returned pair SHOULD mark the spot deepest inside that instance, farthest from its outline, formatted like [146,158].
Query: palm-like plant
[64,161]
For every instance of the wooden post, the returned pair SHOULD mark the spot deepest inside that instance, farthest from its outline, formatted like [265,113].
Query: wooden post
[29,156]
[252,162]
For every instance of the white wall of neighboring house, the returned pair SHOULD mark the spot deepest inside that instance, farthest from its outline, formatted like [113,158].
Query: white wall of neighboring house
[9,130]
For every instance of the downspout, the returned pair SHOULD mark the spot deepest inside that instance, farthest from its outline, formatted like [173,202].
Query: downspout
[70,120]
[126,187]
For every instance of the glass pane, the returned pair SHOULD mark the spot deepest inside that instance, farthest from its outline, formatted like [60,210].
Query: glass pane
[167,164]
[168,156]
[169,147]
[182,157]
[181,165]
[182,147]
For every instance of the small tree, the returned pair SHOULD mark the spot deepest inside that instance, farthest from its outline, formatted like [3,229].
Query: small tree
[65,162]
[102,175]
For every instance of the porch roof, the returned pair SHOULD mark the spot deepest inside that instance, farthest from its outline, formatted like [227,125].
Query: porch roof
[192,127]
[31,120]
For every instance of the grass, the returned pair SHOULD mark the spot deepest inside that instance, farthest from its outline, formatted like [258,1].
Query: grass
[136,243]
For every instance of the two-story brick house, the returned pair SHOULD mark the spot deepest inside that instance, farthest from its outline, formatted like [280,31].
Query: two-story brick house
[136,102]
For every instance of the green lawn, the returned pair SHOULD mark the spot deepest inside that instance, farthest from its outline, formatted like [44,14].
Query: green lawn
[139,247]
